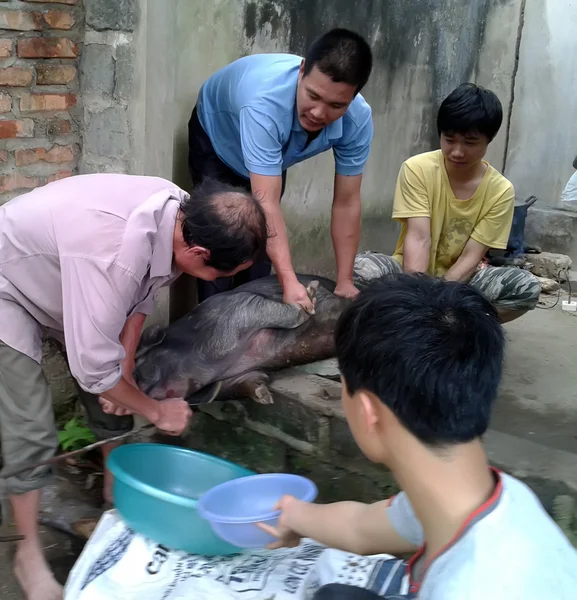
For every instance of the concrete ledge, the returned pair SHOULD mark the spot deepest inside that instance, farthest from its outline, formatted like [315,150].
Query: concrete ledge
[305,431]
[553,230]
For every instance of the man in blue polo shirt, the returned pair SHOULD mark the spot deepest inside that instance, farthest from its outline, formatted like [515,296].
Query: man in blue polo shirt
[262,114]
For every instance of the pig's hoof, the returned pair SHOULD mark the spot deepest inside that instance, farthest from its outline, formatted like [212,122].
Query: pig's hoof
[312,288]
[262,395]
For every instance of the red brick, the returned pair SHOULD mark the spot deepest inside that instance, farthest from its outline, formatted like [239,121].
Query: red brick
[59,19]
[16,181]
[16,76]
[16,129]
[5,48]
[55,1]
[3,156]
[58,127]
[5,103]
[57,154]
[55,74]
[20,20]
[59,175]
[47,48]
[46,102]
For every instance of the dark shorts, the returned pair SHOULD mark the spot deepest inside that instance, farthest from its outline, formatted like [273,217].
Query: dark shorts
[204,163]
[28,432]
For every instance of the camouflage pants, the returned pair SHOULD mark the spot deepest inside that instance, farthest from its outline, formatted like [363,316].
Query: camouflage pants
[507,288]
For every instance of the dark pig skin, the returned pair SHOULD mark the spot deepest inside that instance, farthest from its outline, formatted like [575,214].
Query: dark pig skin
[226,346]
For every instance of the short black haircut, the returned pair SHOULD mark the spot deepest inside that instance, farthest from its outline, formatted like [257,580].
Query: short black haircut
[470,108]
[342,55]
[575,163]
[226,220]
[431,350]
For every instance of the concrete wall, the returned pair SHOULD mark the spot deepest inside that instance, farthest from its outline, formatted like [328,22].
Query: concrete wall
[543,140]
[423,49]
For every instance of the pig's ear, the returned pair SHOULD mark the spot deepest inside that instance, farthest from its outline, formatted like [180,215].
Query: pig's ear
[151,336]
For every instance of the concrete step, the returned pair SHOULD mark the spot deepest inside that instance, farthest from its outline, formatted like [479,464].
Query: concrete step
[553,230]
[538,398]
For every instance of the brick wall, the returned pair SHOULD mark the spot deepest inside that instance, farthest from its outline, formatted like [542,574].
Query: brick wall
[39,106]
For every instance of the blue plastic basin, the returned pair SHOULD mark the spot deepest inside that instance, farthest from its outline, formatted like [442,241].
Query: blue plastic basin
[156,488]
[234,508]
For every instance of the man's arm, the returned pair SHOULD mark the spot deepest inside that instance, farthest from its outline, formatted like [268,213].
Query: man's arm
[411,205]
[354,527]
[267,189]
[96,298]
[346,230]
[468,262]
[129,338]
[417,245]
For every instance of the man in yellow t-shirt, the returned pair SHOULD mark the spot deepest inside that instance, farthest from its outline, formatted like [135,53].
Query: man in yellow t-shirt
[453,206]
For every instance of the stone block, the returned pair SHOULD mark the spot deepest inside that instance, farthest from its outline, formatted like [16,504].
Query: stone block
[71,2]
[5,48]
[289,415]
[548,286]
[97,70]
[549,264]
[59,19]
[16,128]
[107,133]
[16,76]
[58,127]
[342,441]
[20,20]
[57,154]
[124,73]
[16,181]
[3,156]
[336,483]
[552,230]
[116,15]
[55,74]
[5,103]
[46,102]
[237,444]
[58,176]
[47,48]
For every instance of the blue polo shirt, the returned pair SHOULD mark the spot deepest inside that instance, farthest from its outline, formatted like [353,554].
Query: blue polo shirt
[248,111]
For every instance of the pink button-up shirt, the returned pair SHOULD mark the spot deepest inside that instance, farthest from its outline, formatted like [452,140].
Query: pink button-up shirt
[77,258]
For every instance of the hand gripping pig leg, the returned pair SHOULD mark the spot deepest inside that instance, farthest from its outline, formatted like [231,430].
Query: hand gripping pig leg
[277,315]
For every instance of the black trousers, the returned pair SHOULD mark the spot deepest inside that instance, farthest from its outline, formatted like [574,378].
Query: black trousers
[338,591]
[204,163]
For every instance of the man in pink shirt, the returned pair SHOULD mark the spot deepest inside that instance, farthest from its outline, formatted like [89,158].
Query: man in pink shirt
[80,261]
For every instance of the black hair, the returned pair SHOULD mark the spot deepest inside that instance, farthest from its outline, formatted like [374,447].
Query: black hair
[342,55]
[431,350]
[226,220]
[470,108]
[575,163]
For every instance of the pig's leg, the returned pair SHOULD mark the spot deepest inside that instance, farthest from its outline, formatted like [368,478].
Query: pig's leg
[255,388]
[277,315]
[248,385]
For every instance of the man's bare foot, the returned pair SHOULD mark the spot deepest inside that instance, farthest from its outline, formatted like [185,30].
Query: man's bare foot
[34,575]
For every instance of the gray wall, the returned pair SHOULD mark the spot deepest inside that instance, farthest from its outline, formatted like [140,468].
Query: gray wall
[543,139]
[525,50]
[423,49]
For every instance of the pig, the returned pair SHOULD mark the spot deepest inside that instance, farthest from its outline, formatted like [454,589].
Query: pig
[226,346]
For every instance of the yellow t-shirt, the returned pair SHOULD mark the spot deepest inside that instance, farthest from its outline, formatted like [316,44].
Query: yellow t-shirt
[423,190]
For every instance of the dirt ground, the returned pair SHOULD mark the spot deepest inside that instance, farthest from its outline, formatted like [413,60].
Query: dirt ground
[538,402]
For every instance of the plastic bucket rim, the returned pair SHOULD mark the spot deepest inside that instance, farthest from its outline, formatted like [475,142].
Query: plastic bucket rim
[209,516]
[126,478]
